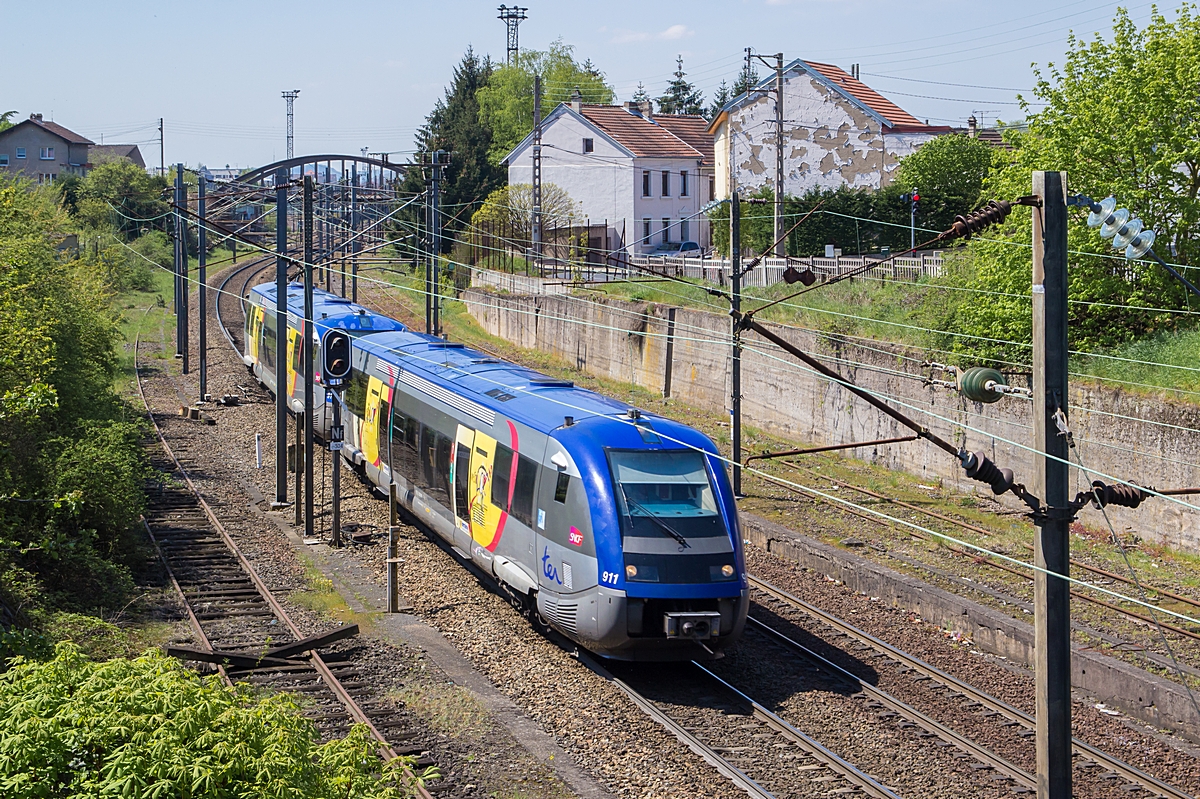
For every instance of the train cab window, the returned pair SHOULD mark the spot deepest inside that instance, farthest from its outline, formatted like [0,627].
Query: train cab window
[522,495]
[501,476]
[670,487]
[560,487]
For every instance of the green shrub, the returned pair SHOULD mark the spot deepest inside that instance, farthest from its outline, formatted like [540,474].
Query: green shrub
[148,728]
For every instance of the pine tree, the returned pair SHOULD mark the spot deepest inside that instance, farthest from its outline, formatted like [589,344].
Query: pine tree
[681,96]
[720,98]
[454,126]
[745,80]
[640,96]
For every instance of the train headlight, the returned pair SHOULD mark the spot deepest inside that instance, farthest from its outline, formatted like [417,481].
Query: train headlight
[631,571]
[727,570]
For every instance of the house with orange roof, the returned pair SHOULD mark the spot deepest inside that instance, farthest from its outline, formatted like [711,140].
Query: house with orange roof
[837,131]
[645,176]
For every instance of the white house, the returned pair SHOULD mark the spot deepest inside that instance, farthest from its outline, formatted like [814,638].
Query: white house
[837,131]
[644,176]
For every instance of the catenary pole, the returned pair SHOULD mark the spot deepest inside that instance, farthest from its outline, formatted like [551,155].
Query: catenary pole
[202,236]
[184,288]
[781,245]
[1052,600]
[178,268]
[281,398]
[435,236]
[306,353]
[735,279]
[537,172]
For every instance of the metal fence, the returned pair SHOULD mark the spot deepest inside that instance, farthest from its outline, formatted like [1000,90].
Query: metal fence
[770,270]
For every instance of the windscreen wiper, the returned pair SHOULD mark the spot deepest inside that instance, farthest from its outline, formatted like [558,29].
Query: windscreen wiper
[666,528]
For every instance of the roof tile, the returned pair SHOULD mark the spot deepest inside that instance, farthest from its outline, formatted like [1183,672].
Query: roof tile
[894,115]
[646,139]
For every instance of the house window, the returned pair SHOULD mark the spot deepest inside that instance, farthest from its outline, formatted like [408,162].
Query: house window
[3,159]
[666,230]
[683,229]
[589,145]
[47,154]
[20,152]
[683,187]
[712,189]
[646,230]
[645,182]
[666,183]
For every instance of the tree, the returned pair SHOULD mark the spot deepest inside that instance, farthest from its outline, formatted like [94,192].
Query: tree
[506,101]
[681,96]
[454,126]
[745,80]
[6,120]
[121,193]
[640,96]
[508,212]
[720,98]
[1122,117]
[948,174]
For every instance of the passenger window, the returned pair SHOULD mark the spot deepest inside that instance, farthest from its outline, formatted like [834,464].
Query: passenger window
[560,487]
[385,431]
[522,501]
[462,479]
[501,474]
[356,394]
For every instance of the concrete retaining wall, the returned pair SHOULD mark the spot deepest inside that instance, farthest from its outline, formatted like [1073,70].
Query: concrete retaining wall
[637,341]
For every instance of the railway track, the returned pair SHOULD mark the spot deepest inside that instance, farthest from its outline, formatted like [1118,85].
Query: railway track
[756,749]
[228,297]
[243,631]
[1088,757]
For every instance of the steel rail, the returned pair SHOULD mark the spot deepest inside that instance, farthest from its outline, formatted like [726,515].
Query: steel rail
[1130,773]
[922,720]
[356,712]
[262,263]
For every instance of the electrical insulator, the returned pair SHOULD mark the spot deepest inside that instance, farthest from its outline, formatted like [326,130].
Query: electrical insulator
[1126,496]
[980,468]
[979,383]
[993,213]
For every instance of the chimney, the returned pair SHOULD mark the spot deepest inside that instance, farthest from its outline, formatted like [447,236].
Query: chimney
[631,107]
[647,109]
[972,126]
[36,117]
[577,101]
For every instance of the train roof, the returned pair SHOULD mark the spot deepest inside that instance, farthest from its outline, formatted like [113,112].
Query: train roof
[330,310]
[520,393]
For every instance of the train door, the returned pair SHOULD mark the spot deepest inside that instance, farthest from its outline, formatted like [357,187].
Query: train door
[460,478]
[486,520]
[254,331]
[293,359]
[372,420]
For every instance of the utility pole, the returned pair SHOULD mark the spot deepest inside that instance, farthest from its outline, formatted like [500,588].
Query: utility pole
[512,17]
[178,259]
[781,245]
[1052,599]
[291,98]
[162,153]
[307,360]
[281,398]
[537,172]
[184,289]
[735,279]
[201,234]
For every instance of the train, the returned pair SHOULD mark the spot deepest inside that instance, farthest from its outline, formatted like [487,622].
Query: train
[614,526]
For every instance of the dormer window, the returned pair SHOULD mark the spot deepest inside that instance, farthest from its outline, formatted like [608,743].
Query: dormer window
[589,145]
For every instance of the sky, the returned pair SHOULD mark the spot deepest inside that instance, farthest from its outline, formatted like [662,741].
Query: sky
[369,72]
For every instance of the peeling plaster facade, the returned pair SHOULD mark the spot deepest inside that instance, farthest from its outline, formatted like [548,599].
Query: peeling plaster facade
[831,138]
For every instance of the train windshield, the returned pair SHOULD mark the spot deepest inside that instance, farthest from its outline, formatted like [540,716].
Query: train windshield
[665,493]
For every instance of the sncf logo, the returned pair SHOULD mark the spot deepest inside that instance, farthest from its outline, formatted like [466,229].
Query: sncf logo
[575,537]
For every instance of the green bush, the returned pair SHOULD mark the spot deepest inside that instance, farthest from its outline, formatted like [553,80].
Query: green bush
[148,728]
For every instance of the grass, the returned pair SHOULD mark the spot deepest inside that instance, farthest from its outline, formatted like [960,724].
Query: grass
[321,596]
[148,313]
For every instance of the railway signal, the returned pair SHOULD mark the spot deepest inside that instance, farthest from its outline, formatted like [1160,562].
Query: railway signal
[335,359]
